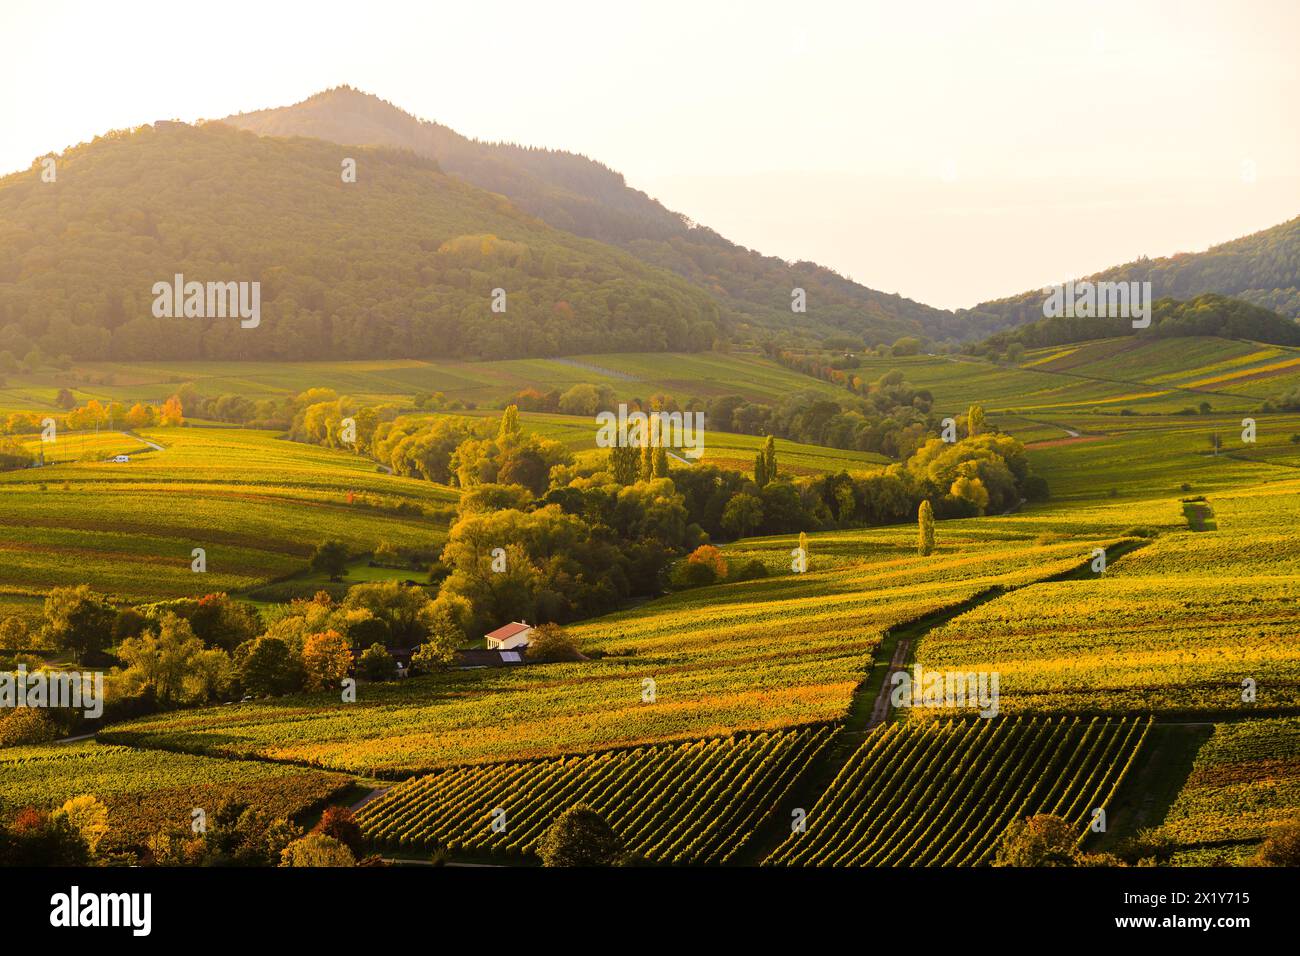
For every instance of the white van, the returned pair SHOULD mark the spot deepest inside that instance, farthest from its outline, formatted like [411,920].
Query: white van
[120,459]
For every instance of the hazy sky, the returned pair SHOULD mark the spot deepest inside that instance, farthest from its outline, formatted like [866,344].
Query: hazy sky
[951,152]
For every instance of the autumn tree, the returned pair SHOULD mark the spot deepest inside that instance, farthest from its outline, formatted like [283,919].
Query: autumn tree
[376,664]
[87,816]
[710,556]
[974,421]
[1282,846]
[317,849]
[326,660]
[268,668]
[339,824]
[172,415]
[659,464]
[13,634]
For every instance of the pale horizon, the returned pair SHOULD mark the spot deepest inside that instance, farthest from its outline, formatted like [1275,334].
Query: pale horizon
[952,155]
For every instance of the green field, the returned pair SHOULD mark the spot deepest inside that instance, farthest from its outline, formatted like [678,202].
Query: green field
[785,650]
[488,384]
[1199,595]
[257,505]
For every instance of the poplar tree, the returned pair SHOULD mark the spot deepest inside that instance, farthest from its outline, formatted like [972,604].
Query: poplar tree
[509,423]
[925,523]
[625,463]
[660,464]
[769,458]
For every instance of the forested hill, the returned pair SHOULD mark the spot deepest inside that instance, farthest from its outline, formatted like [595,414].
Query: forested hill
[1263,268]
[582,196]
[400,263]
[1204,315]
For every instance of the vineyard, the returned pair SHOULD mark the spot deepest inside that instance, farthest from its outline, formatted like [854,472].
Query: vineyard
[258,505]
[146,791]
[1175,627]
[781,651]
[687,803]
[941,793]
[1244,782]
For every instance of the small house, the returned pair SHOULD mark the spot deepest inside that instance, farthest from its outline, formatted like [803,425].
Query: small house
[509,637]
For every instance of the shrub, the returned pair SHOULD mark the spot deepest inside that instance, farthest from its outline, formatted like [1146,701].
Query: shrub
[1282,848]
[338,823]
[26,725]
[1139,531]
[579,837]
[317,849]
[750,570]
[551,644]
[689,574]
[1042,840]
[376,664]
[708,554]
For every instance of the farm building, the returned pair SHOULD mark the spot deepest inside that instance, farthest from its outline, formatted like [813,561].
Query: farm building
[509,637]
[477,657]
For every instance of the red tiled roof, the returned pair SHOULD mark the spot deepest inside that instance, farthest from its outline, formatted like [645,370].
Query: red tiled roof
[508,630]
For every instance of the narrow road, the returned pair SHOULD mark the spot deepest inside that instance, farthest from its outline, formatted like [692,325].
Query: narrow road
[152,444]
[880,710]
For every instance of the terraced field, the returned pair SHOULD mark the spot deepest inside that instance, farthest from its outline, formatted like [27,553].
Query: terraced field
[1176,627]
[690,803]
[258,505]
[941,794]
[146,791]
[754,655]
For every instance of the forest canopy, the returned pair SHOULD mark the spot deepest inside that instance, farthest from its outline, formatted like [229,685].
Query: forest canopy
[400,263]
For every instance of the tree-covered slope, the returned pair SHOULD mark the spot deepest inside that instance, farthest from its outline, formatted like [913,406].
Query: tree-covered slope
[1262,268]
[582,196]
[400,263]
[1204,315]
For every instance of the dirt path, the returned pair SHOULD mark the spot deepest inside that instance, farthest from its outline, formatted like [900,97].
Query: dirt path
[880,710]
[372,795]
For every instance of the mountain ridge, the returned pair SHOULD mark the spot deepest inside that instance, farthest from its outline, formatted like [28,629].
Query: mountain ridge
[586,197]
